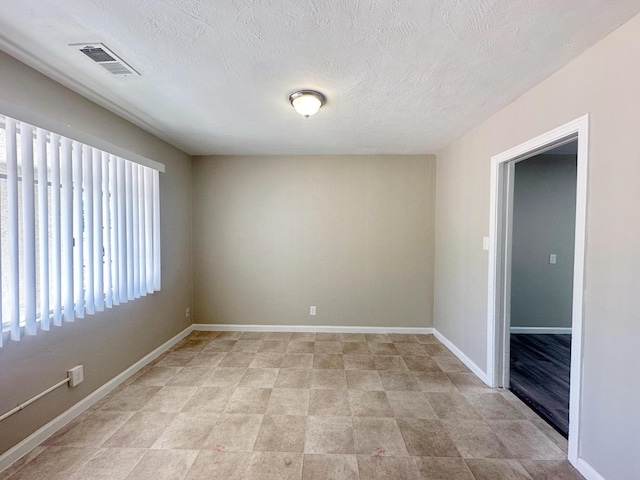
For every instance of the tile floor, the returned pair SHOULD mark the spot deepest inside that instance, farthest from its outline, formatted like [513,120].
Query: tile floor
[233,405]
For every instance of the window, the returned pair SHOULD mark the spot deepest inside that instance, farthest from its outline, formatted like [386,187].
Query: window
[79,229]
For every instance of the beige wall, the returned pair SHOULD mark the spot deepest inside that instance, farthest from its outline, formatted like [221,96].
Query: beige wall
[352,235]
[605,82]
[106,343]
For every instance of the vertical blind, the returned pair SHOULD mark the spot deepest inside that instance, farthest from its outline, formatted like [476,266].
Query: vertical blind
[79,229]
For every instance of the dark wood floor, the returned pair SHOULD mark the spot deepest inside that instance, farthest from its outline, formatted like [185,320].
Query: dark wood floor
[540,366]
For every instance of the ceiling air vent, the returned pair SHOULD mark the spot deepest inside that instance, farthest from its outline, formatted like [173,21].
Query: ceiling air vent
[105,58]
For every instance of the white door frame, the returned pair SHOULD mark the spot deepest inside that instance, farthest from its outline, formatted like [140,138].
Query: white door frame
[502,168]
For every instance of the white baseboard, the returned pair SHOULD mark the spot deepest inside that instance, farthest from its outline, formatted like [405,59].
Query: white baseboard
[587,470]
[220,327]
[25,446]
[542,330]
[463,358]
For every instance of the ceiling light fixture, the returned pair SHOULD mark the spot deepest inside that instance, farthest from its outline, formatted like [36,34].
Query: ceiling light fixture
[307,102]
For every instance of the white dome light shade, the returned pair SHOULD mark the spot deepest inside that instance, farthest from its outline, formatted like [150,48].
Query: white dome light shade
[307,102]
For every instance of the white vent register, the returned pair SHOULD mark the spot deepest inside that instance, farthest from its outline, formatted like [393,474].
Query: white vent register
[104,57]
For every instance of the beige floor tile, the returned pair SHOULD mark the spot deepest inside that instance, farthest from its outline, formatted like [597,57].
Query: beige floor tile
[329,403]
[488,469]
[330,467]
[208,400]
[247,346]
[411,349]
[220,345]
[187,431]
[327,337]
[275,466]
[358,362]
[141,430]
[426,338]
[386,468]
[451,365]
[266,360]
[438,350]
[493,406]
[379,348]
[175,359]
[355,348]
[403,338]
[303,336]
[297,361]
[157,376]
[352,337]
[328,379]
[328,361]
[281,433]
[249,401]
[288,401]
[279,336]
[231,335]
[189,345]
[426,438]
[54,463]
[327,347]
[164,465]
[378,436]
[410,405]
[432,468]
[94,430]
[363,380]
[369,404]
[469,383]
[524,441]
[206,359]
[22,462]
[273,346]
[329,435]
[291,378]
[300,347]
[190,377]
[234,433]
[475,439]
[210,464]
[377,338]
[108,464]
[131,398]
[551,470]
[254,336]
[393,380]
[259,378]
[224,377]
[389,362]
[236,360]
[451,406]
[421,364]
[169,399]
[434,382]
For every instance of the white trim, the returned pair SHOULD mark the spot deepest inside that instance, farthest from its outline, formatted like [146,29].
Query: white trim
[75,133]
[463,358]
[496,303]
[587,470]
[226,327]
[25,446]
[542,330]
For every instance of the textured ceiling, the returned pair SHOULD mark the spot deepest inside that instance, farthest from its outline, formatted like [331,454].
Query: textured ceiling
[400,76]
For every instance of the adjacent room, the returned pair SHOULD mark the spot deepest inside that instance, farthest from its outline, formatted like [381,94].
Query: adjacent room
[319,240]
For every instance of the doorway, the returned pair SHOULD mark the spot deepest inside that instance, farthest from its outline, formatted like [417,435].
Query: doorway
[542,254]
[503,171]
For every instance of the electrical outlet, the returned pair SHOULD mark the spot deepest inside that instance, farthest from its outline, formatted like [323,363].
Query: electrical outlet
[187,313]
[312,310]
[75,375]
